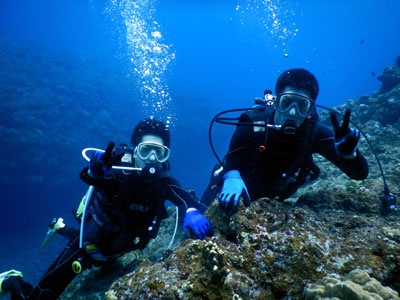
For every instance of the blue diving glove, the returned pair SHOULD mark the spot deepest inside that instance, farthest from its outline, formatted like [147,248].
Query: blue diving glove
[232,189]
[101,163]
[195,222]
[346,138]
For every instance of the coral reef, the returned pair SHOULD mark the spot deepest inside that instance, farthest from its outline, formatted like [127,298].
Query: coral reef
[356,285]
[390,77]
[269,251]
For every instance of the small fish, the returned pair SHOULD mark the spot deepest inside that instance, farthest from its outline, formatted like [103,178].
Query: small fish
[362,42]
[286,55]
[373,73]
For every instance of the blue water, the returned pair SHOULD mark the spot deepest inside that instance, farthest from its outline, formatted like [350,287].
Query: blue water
[79,73]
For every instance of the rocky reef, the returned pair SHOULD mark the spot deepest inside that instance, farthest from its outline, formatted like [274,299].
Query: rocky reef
[356,285]
[390,77]
[269,251]
[331,240]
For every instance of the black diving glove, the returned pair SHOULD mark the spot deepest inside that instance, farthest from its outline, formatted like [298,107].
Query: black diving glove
[346,139]
[100,165]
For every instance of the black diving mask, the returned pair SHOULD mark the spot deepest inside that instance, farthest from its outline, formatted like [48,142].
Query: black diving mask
[303,104]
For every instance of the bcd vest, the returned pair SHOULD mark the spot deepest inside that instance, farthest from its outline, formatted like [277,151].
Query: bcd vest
[303,166]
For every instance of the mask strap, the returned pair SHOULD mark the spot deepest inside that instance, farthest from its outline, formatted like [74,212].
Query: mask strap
[135,152]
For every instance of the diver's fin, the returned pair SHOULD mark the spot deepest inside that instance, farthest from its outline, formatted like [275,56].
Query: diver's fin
[47,239]
[54,225]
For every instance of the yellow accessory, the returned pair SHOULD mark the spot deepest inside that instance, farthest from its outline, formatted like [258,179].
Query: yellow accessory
[76,267]
[90,247]
[81,206]
[5,275]
[136,255]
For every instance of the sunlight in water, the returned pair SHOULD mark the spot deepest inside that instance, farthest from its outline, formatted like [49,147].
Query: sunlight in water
[149,56]
[275,16]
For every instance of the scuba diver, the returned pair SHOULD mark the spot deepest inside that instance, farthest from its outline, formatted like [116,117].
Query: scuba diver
[270,153]
[121,211]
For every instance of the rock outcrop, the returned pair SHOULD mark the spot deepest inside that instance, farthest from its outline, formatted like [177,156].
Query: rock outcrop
[390,77]
[356,285]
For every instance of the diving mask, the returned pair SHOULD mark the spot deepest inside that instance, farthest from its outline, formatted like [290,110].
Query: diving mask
[303,104]
[145,150]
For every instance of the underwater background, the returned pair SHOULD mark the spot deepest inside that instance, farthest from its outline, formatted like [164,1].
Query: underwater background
[79,73]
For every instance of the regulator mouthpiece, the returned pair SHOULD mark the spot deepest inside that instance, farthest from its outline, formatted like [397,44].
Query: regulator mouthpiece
[289,127]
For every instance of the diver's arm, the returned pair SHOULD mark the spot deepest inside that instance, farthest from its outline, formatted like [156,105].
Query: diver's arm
[240,154]
[235,160]
[356,168]
[181,198]
[193,220]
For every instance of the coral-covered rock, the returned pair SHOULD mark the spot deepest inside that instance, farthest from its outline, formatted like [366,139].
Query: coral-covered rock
[356,285]
[390,77]
[270,250]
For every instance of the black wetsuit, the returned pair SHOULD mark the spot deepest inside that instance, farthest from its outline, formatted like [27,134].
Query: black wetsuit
[123,215]
[276,164]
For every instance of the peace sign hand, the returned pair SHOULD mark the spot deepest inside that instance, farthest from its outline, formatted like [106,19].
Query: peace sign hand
[102,162]
[346,138]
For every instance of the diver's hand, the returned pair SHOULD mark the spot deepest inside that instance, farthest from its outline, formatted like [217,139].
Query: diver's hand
[346,138]
[99,167]
[233,188]
[101,163]
[195,222]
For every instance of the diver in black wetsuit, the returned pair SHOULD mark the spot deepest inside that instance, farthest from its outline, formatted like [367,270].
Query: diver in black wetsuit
[123,213]
[275,162]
